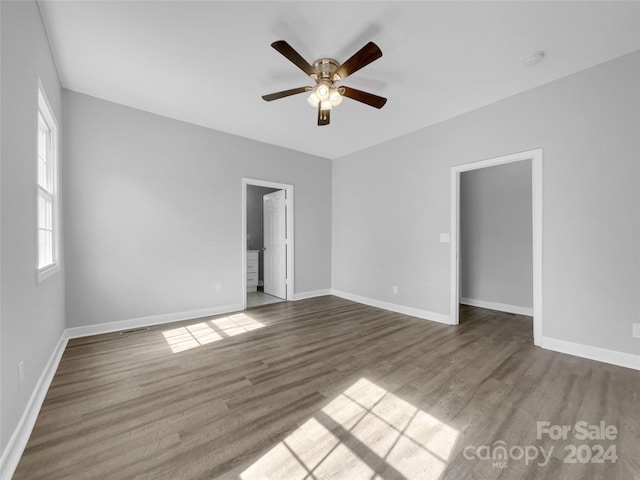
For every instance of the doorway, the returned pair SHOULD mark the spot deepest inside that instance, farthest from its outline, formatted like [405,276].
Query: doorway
[535,157]
[267,248]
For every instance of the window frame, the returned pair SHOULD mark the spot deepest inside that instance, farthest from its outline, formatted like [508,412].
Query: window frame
[50,192]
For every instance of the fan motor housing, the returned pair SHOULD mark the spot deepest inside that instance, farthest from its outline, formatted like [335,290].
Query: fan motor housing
[325,69]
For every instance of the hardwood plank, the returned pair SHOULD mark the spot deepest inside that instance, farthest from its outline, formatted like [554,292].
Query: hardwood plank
[324,388]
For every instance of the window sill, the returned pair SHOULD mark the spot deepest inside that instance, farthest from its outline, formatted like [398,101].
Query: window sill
[47,272]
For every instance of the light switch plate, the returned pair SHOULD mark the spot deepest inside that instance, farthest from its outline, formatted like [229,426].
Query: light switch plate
[636,330]
[445,238]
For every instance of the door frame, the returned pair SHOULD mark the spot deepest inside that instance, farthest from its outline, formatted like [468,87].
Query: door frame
[290,240]
[536,203]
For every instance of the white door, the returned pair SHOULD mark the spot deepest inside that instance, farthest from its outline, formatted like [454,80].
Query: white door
[275,243]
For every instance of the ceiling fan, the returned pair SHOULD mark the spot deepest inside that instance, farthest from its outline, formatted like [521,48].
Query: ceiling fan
[326,71]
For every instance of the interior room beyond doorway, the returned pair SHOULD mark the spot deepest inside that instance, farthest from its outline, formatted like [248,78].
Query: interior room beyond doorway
[256,295]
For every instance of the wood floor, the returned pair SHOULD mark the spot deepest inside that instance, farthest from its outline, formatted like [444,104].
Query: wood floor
[328,388]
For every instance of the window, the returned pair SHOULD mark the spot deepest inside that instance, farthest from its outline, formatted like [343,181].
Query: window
[47,189]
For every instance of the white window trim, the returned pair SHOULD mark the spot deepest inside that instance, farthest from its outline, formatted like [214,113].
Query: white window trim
[44,108]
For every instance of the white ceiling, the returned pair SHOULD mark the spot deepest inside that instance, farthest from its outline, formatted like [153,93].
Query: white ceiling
[209,62]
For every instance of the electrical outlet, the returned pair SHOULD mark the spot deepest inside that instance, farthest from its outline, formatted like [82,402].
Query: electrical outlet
[21,374]
[395,289]
[636,330]
[218,287]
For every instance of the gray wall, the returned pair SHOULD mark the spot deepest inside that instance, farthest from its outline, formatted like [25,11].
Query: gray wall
[390,203]
[153,212]
[32,313]
[255,222]
[496,243]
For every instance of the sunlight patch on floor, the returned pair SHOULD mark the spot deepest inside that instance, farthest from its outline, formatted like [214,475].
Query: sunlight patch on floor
[364,430]
[203,333]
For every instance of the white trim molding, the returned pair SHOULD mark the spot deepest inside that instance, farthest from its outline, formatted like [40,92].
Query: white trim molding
[536,203]
[501,307]
[613,357]
[312,294]
[18,441]
[394,307]
[150,321]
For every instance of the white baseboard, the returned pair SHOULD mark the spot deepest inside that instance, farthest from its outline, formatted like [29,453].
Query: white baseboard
[311,294]
[394,307]
[501,307]
[149,321]
[613,357]
[18,441]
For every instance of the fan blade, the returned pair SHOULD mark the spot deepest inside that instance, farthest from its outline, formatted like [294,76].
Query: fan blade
[287,50]
[323,116]
[284,93]
[361,58]
[364,97]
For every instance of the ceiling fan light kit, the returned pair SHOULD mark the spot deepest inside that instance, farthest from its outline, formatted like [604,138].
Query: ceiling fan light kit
[325,94]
